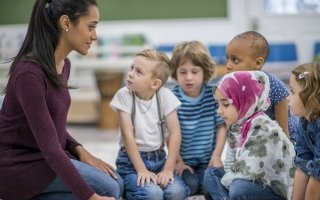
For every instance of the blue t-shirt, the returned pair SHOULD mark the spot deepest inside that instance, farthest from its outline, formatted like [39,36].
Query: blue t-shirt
[198,122]
[278,92]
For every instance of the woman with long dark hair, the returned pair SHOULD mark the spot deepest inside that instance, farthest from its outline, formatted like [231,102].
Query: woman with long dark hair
[39,159]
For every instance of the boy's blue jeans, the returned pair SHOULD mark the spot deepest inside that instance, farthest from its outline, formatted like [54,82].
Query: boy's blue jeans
[239,189]
[100,182]
[195,181]
[154,162]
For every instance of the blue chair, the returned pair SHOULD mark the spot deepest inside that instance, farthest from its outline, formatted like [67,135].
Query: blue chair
[218,53]
[285,52]
[282,59]
[316,53]
[167,48]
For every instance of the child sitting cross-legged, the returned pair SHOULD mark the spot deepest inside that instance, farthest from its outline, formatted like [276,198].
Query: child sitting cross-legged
[259,157]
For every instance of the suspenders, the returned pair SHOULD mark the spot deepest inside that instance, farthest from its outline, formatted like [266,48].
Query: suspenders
[161,121]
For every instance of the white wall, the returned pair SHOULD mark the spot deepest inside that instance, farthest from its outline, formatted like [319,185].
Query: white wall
[303,29]
[211,30]
[243,15]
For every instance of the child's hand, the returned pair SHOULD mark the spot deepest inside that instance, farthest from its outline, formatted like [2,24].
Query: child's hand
[165,177]
[215,162]
[145,177]
[180,167]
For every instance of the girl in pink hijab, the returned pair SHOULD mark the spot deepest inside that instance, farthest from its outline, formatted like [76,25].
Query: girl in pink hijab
[259,157]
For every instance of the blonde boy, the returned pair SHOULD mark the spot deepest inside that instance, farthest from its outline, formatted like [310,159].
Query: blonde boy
[147,116]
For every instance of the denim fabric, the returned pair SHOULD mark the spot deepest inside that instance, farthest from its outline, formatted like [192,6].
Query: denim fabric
[100,182]
[154,162]
[195,181]
[239,189]
[212,183]
[308,148]
[56,190]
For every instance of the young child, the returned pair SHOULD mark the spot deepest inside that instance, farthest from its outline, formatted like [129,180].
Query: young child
[147,111]
[304,102]
[203,130]
[249,51]
[259,157]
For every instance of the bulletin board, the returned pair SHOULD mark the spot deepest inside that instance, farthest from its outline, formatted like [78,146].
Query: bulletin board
[19,11]
[161,9]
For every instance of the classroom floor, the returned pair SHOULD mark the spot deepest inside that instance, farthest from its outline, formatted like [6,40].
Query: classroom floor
[101,143]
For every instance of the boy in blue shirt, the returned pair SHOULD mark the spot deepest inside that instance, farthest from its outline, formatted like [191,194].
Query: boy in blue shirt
[202,129]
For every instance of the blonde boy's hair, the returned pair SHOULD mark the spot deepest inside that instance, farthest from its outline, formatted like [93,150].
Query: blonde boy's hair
[308,77]
[259,44]
[162,69]
[195,52]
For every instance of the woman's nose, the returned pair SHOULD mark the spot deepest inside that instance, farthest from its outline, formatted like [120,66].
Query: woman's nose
[94,35]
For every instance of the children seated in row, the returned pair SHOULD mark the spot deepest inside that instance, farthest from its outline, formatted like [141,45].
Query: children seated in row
[203,132]
[192,69]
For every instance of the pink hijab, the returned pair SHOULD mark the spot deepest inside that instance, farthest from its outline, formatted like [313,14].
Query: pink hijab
[249,91]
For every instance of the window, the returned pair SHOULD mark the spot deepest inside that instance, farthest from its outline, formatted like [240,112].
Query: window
[292,7]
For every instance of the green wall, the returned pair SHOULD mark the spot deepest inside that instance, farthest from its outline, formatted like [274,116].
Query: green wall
[161,9]
[15,11]
[19,11]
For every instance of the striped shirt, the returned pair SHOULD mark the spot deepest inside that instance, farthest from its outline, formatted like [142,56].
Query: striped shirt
[198,122]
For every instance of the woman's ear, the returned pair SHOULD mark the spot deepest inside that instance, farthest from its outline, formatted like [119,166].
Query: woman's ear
[64,23]
[259,63]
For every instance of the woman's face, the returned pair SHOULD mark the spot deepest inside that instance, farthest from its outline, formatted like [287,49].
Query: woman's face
[80,36]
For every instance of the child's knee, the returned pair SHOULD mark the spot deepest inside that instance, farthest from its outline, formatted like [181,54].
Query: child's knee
[151,192]
[177,191]
[214,172]
[191,180]
[109,187]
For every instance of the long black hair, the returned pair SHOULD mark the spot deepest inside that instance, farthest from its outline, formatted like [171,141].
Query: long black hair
[43,33]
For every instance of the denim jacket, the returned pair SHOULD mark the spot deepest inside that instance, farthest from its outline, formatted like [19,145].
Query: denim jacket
[308,148]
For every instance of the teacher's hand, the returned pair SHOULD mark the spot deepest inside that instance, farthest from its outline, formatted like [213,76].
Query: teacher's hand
[88,158]
[97,197]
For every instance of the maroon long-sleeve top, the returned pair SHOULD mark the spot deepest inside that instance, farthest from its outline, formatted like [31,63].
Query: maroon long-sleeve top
[35,146]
